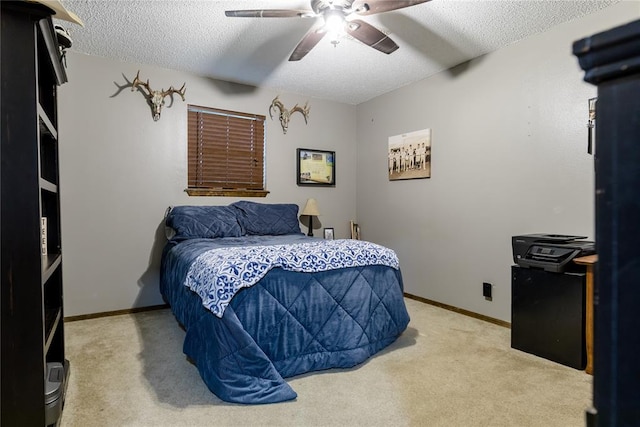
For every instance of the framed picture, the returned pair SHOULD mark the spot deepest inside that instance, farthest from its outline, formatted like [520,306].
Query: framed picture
[410,155]
[316,167]
[328,233]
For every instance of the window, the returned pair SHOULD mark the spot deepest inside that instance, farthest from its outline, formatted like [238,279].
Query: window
[225,153]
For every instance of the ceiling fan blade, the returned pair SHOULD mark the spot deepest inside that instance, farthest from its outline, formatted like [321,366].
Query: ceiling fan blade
[370,35]
[308,42]
[269,13]
[371,7]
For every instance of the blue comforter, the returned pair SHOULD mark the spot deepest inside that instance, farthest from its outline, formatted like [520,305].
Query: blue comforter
[286,324]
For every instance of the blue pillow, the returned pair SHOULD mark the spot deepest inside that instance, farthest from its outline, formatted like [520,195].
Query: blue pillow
[268,219]
[209,222]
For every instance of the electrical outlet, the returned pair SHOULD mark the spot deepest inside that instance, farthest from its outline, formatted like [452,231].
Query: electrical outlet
[487,291]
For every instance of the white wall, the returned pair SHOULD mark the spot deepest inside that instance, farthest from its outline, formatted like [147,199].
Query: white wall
[509,141]
[508,157]
[120,170]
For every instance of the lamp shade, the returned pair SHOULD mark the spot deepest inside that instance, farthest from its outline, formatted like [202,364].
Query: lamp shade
[311,208]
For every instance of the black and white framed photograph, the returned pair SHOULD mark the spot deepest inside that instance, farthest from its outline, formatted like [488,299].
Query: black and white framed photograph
[410,155]
[328,233]
[316,167]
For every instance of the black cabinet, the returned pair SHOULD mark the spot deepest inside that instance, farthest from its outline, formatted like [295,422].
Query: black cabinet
[611,60]
[548,315]
[31,299]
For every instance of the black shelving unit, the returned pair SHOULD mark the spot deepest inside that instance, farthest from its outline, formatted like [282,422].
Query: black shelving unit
[611,60]
[34,371]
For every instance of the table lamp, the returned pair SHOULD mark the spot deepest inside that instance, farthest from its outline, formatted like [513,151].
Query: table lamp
[311,210]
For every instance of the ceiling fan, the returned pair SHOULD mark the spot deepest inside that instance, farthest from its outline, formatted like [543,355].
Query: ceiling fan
[335,14]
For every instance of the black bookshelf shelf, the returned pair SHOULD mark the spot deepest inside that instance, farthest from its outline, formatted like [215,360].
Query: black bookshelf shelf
[31,300]
[49,265]
[51,320]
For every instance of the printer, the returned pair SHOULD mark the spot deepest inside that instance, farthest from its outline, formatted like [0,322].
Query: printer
[550,252]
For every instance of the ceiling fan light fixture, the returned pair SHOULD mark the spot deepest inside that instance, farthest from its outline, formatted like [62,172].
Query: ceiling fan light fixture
[333,21]
[334,14]
[334,24]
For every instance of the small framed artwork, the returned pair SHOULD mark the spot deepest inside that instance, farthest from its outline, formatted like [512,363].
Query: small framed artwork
[410,155]
[328,233]
[316,167]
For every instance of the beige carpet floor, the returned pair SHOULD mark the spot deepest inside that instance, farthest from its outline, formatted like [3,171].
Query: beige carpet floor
[447,369]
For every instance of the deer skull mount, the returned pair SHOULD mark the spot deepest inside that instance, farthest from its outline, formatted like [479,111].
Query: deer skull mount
[286,114]
[155,98]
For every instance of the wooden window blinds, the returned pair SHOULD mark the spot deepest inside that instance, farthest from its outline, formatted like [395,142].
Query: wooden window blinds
[226,151]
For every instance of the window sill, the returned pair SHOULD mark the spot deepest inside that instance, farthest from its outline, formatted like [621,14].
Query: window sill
[220,192]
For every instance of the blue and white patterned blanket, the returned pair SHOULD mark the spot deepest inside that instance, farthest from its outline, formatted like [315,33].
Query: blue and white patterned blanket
[218,274]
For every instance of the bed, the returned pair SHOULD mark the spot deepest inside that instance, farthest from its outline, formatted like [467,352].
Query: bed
[261,302]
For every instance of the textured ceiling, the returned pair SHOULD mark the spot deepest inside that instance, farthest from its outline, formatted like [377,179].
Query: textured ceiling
[195,36]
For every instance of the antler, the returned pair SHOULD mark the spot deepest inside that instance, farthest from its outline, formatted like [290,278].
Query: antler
[172,90]
[276,103]
[304,110]
[155,98]
[285,114]
[137,82]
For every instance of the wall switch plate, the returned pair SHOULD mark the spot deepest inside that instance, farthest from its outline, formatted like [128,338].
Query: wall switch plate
[486,290]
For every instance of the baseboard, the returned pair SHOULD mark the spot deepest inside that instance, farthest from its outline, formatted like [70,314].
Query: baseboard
[115,313]
[460,310]
[410,296]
